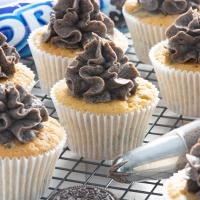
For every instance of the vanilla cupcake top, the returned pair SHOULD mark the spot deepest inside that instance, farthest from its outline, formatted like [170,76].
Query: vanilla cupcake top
[73,21]
[8,58]
[101,73]
[192,170]
[21,114]
[184,38]
[169,6]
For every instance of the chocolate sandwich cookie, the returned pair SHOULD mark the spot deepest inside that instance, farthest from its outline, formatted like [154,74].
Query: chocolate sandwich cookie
[83,192]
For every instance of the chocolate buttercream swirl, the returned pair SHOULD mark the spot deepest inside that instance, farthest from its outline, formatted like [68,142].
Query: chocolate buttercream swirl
[73,21]
[169,6]
[101,73]
[21,113]
[184,38]
[8,58]
[193,170]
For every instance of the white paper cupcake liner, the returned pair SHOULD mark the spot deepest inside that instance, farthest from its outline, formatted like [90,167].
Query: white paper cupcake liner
[144,36]
[28,178]
[50,68]
[100,136]
[180,89]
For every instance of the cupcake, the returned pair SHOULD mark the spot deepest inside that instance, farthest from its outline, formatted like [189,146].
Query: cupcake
[84,192]
[70,28]
[177,65]
[102,103]
[11,70]
[185,184]
[147,21]
[30,144]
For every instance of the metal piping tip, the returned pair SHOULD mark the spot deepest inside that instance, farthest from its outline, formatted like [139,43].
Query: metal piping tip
[158,159]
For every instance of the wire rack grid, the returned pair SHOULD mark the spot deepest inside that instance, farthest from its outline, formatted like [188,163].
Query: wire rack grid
[72,170]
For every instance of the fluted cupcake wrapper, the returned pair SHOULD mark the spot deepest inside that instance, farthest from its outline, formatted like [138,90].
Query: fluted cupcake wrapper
[103,136]
[180,89]
[50,68]
[144,36]
[28,178]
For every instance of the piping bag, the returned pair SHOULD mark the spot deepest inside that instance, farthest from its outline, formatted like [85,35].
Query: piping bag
[158,159]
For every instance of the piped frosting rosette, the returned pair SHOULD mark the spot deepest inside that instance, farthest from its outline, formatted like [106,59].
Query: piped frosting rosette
[146,35]
[70,27]
[11,69]
[101,73]
[99,83]
[21,114]
[179,78]
[24,173]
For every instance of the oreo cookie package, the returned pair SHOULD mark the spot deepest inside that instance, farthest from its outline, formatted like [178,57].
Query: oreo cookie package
[18,18]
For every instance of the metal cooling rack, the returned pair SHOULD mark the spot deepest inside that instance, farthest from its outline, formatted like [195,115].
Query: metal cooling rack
[72,170]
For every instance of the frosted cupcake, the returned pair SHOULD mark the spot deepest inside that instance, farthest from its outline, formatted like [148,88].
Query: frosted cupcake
[70,28]
[30,144]
[177,65]
[148,20]
[185,184]
[102,103]
[11,69]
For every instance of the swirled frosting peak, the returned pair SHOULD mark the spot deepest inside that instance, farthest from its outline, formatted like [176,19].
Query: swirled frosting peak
[184,38]
[193,170]
[73,21]
[101,73]
[169,6]
[21,114]
[8,58]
